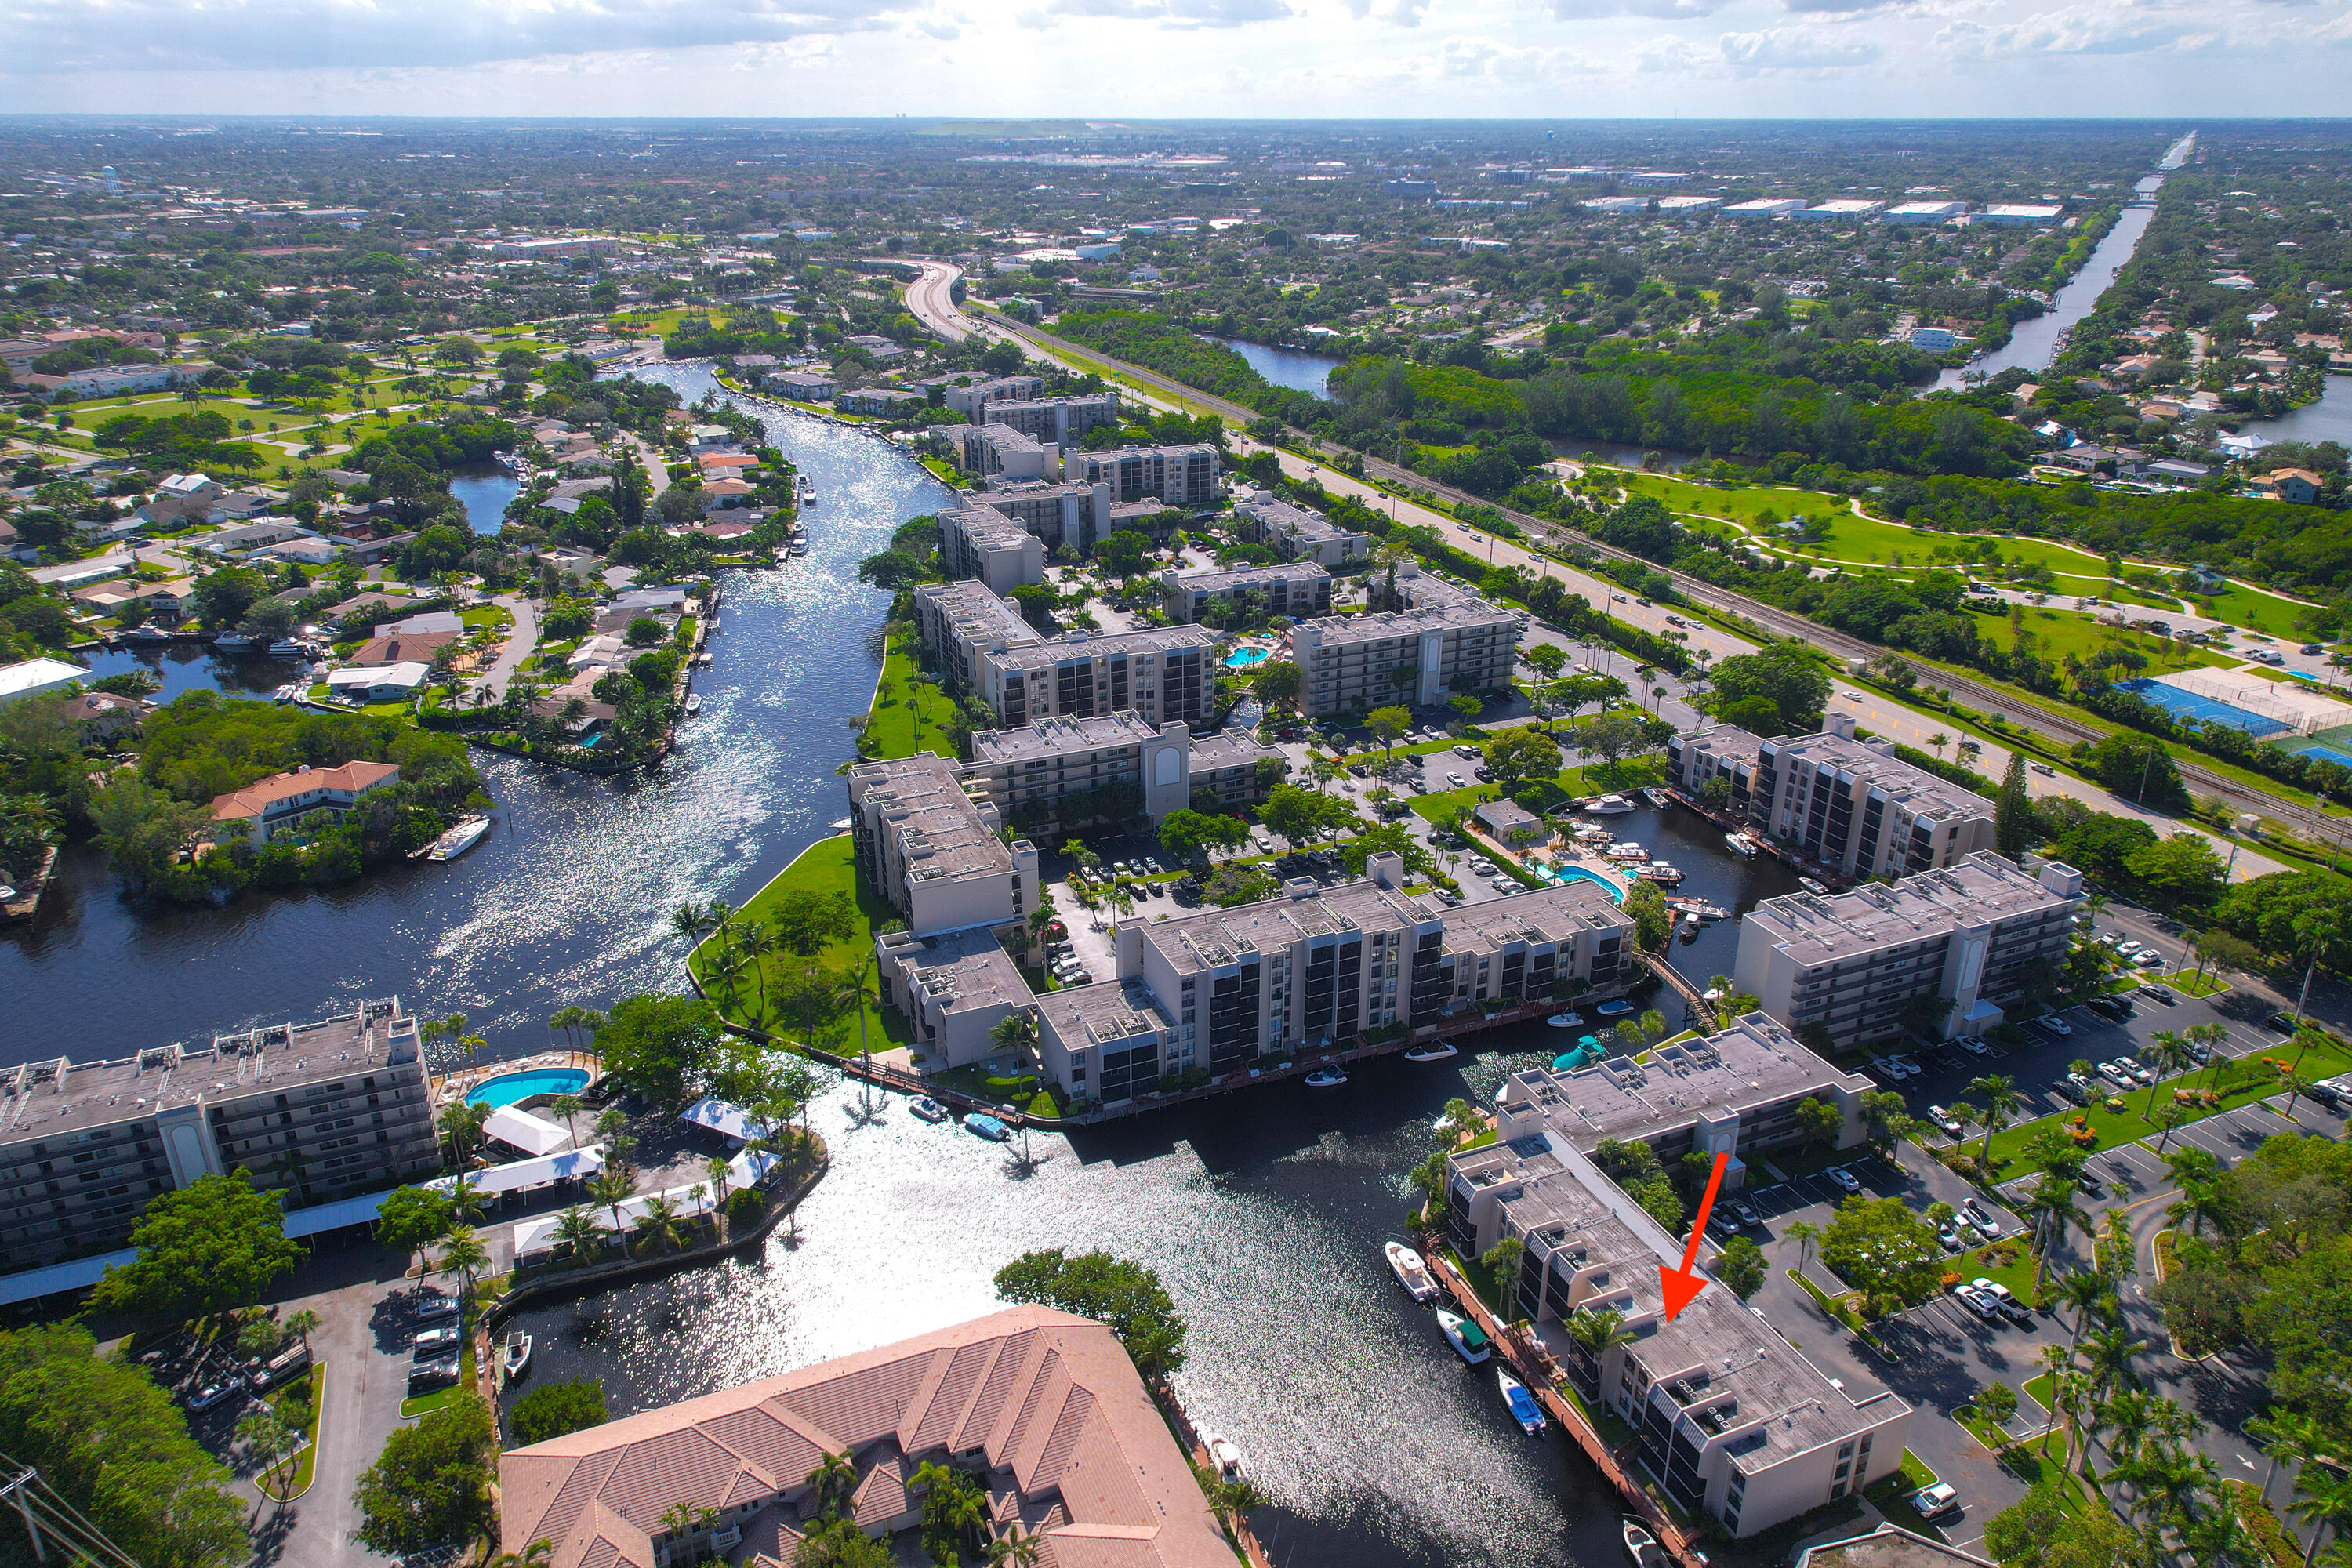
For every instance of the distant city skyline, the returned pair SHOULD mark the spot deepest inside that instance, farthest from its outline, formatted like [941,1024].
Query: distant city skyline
[1230,59]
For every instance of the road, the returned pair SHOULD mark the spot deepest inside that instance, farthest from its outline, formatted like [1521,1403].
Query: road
[936,309]
[518,646]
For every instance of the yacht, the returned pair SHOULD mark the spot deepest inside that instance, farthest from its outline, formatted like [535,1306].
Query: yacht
[1434,1051]
[146,634]
[929,1110]
[1627,850]
[1565,1020]
[1609,806]
[1739,843]
[1411,1272]
[1657,797]
[1642,1548]
[1468,1340]
[1812,887]
[1325,1078]
[1660,872]
[233,642]
[1224,1456]
[460,839]
[292,647]
[1594,833]
[1521,1403]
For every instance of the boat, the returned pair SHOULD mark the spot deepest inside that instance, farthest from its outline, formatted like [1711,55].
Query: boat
[1468,1340]
[517,1356]
[1660,872]
[1618,1008]
[1325,1078]
[1435,1051]
[1690,920]
[1812,887]
[987,1126]
[290,648]
[1657,797]
[1627,850]
[1739,843]
[1522,1404]
[929,1109]
[1594,833]
[797,550]
[1565,1020]
[809,498]
[233,642]
[694,702]
[1642,1548]
[1411,1272]
[459,840]
[1224,1456]
[146,634]
[1609,806]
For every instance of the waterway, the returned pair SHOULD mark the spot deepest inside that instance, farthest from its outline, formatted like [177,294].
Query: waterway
[1294,368]
[2329,419]
[484,489]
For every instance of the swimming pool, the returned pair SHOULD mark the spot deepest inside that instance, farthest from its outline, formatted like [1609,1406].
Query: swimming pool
[1578,874]
[510,1087]
[1243,657]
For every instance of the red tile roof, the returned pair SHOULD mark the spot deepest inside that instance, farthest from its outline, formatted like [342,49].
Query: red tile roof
[351,778]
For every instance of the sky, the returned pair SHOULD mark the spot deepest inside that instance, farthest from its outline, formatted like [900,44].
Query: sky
[1565,60]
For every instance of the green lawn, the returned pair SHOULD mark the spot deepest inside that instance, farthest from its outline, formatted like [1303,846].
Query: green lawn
[910,714]
[1024,1092]
[2189,983]
[2243,607]
[1570,784]
[410,1409]
[825,867]
[298,1405]
[2062,632]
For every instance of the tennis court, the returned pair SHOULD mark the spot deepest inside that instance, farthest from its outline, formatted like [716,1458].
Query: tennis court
[2182,703]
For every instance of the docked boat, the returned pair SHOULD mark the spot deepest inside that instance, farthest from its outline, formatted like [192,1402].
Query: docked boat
[1565,1020]
[1224,1456]
[1700,908]
[1642,1548]
[292,647]
[693,702]
[808,498]
[1616,1008]
[1521,1403]
[1812,887]
[1325,1078]
[1434,1051]
[1594,833]
[1609,806]
[1468,1340]
[516,1358]
[1657,797]
[459,840]
[797,550]
[1627,850]
[1739,843]
[1664,871]
[1411,1272]
[986,1126]
[146,634]
[929,1109]
[1690,924]
[233,642]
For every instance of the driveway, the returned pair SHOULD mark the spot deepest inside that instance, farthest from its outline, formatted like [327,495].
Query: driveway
[518,646]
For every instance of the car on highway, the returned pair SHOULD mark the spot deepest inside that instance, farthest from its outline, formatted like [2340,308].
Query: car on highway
[1945,1119]
[2044,769]
[1843,1178]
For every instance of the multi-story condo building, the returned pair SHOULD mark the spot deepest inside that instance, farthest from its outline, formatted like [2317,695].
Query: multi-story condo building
[1294,532]
[962,622]
[955,988]
[316,1111]
[1448,639]
[1313,967]
[1735,1092]
[1032,773]
[1938,953]
[1077,515]
[972,400]
[933,851]
[1063,421]
[1174,476]
[1299,589]
[1041,1411]
[982,543]
[1853,804]
[1729,1417]
[1000,453]
[1166,674]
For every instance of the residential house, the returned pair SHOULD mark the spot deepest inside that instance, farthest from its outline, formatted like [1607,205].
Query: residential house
[304,799]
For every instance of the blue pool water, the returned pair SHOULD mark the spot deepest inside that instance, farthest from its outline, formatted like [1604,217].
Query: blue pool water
[1243,657]
[1578,874]
[510,1087]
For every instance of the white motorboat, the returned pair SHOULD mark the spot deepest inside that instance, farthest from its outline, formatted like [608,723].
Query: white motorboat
[1468,1340]
[1521,1403]
[1691,921]
[1568,1020]
[1627,850]
[1594,833]
[1739,843]
[1664,871]
[460,839]
[1224,1456]
[1411,1272]
[147,635]
[1642,1548]
[694,702]
[929,1110]
[1812,887]
[233,642]
[517,1355]
[1609,806]
[1435,1051]
[1325,1078]
[1657,797]
[292,647]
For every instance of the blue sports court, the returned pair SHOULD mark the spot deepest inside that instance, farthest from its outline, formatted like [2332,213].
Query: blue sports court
[2184,704]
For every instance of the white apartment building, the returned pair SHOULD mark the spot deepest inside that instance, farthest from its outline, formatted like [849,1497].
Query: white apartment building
[1849,804]
[1175,476]
[982,543]
[971,400]
[1294,533]
[954,989]
[1298,589]
[1063,421]
[933,851]
[1167,675]
[1031,773]
[1975,938]
[1448,639]
[1731,1419]
[1000,453]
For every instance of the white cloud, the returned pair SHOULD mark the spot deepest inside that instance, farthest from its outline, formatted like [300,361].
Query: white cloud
[1795,49]
[1174,12]
[2094,30]
[1658,10]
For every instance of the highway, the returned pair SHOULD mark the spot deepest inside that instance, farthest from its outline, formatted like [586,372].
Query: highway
[936,309]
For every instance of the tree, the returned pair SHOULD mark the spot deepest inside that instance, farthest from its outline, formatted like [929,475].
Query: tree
[1997,1402]
[2137,768]
[807,921]
[1818,1123]
[1804,1233]
[411,1219]
[1387,725]
[1126,1296]
[1277,683]
[1614,737]
[273,1445]
[1740,1267]
[952,1512]
[2013,827]
[892,569]
[1190,835]
[1519,756]
[1881,1248]
[1786,674]
[465,1255]
[554,1408]
[1999,1095]
[2046,1529]
[213,1244]
[657,1046]
[431,1484]
[1295,813]
[2182,869]
[1645,901]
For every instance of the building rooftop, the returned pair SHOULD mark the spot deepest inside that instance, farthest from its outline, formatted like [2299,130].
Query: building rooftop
[1212,938]
[970,969]
[977,612]
[1754,1062]
[1983,887]
[1105,1013]
[1061,736]
[52,1099]
[1097,645]
[1228,749]
[1222,582]
[1914,789]
[941,832]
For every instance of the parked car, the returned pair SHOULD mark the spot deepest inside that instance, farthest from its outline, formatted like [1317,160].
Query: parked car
[2073,1087]
[292,1364]
[1945,1119]
[2149,959]
[1453,779]
[213,1392]
[1977,1300]
[2116,1074]
[430,1308]
[1844,1179]
[1949,1237]
[2053,1024]
[2138,1068]
[1975,1045]
[2125,948]
[431,1343]
[1746,1213]
[1934,1502]
[2110,1007]
[1977,1215]
[2283,1022]
[425,1376]
[2156,992]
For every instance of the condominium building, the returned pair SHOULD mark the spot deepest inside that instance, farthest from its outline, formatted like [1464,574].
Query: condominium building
[933,851]
[1961,943]
[1298,589]
[315,1111]
[1314,967]
[984,648]
[1736,1092]
[971,400]
[1448,639]
[1292,531]
[1063,421]
[1849,804]
[982,543]
[1079,516]
[1003,453]
[1053,770]
[1174,476]
[1043,1411]
[962,622]
[955,989]
[1730,1419]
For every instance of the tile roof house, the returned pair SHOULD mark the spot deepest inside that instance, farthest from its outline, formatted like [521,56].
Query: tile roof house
[1042,1411]
[402,648]
[270,807]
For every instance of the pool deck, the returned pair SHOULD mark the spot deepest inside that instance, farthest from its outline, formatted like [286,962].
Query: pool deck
[451,1087]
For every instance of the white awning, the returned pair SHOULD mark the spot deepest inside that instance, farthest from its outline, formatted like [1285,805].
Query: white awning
[76,1274]
[527,1174]
[539,1235]
[531,1135]
[728,1121]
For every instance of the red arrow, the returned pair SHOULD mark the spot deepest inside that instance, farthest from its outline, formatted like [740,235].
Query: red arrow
[1681,1286]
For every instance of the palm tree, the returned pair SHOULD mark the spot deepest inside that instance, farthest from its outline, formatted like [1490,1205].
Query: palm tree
[1804,1233]
[273,1445]
[2201,1203]
[660,1225]
[2087,1291]
[464,1255]
[2058,1363]
[2323,1500]
[1016,1548]
[612,1188]
[567,1019]
[1461,1120]
[301,1324]
[2286,1437]
[1940,741]
[2055,1212]
[461,1123]
[577,1227]
[537,1554]
[1597,1333]
[757,942]
[2165,1054]
[834,1481]
[716,1169]
[1016,1032]
[858,991]
[2110,1352]
[1999,1095]
[692,921]
[682,1521]
[569,1105]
